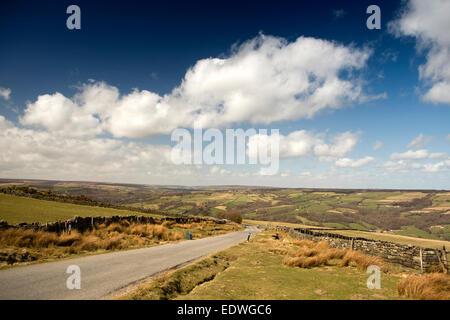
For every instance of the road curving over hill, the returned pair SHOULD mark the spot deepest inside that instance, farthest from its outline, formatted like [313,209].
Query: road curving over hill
[104,274]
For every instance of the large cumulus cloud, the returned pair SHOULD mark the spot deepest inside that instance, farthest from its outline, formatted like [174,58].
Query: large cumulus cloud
[266,79]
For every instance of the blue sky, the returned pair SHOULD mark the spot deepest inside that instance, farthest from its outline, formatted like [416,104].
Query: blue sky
[398,78]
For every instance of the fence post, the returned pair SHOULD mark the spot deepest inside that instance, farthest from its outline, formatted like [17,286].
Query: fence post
[444,258]
[351,245]
[438,253]
[421,260]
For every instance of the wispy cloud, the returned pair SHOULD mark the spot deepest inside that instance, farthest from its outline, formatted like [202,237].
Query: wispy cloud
[350,163]
[410,154]
[419,142]
[378,145]
[4,93]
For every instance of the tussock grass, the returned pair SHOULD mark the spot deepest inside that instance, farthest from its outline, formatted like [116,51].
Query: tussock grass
[331,254]
[361,260]
[435,286]
[435,268]
[312,254]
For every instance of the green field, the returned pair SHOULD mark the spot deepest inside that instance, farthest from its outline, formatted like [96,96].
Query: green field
[15,209]
[407,240]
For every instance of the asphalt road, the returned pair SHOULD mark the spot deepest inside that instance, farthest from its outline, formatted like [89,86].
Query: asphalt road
[104,274]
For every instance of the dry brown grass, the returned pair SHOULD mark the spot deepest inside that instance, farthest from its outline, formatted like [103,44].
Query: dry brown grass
[304,243]
[305,262]
[281,251]
[312,254]
[113,236]
[331,254]
[36,239]
[361,260]
[435,286]
[209,227]
[435,268]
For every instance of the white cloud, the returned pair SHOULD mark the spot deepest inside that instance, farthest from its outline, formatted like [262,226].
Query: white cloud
[439,93]
[299,144]
[266,79]
[60,115]
[365,99]
[216,170]
[395,165]
[434,167]
[406,165]
[428,22]
[303,143]
[410,154]
[418,155]
[378,145]
[349,163]
[419,142]
[28,153]
[342,144]
[4,93]
[438,155]
[286,173]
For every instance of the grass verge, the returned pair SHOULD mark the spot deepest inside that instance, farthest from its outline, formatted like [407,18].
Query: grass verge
[255,270]
[181,282]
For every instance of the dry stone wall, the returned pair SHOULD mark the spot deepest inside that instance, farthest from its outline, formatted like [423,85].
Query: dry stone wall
[85,223]
[406,255]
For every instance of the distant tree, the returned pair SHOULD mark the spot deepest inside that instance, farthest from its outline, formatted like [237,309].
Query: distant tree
[233,215]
